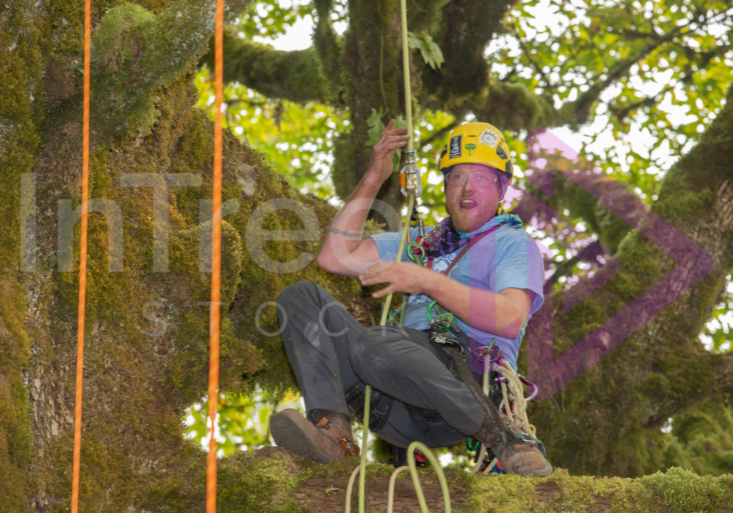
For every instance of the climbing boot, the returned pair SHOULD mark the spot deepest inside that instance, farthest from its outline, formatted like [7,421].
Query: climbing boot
[327,438]
[517,456]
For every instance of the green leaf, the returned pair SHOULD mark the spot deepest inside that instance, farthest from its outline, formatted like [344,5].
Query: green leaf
[429,50]
[375,126]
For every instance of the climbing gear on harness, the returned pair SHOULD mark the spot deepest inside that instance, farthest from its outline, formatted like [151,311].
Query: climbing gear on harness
[329,439]
[477,143]
[507,439]
[410,174]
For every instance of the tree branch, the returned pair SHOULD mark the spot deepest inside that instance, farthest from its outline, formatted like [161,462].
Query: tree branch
[296,76]
[658,370]
[622,112]
[513,106]
[465,69]
[536,67]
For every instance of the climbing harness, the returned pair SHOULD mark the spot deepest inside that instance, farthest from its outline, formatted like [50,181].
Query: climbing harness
[82,262]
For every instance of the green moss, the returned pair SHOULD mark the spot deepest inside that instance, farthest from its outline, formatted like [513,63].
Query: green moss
[270,476]
[137,52]
[705,436]
[269,484]
[22,59]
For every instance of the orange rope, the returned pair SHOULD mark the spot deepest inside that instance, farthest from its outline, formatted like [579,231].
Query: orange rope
[215,262]
[82,263]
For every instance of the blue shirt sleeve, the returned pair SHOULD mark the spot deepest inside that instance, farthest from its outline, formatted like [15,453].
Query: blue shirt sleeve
[519,265]
[389,242]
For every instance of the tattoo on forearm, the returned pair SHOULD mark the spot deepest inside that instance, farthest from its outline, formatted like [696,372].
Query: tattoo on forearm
[346,233]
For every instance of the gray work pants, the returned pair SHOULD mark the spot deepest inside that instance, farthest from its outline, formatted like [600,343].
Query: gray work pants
[330,352]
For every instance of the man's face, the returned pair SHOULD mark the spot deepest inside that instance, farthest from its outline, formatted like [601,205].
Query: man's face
[474,202]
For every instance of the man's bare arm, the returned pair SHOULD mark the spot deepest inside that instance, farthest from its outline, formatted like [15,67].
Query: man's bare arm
[343,251]
[502,313]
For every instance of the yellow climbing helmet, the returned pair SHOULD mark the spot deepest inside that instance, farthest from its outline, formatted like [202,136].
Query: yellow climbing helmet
[476,143]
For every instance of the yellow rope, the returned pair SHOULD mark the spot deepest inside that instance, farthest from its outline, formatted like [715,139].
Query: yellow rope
[513,397]
[416,479]
[507,403]
[519,402]
[385,314]
[350,486]
[393,477]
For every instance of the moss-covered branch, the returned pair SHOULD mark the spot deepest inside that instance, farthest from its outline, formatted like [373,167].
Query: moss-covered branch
[273,479]
[465,30]
[662,369]
[136,52]
[294,76]
[572,195]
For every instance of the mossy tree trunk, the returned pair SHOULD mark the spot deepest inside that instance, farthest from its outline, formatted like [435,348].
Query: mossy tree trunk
[146,356]
[146,348]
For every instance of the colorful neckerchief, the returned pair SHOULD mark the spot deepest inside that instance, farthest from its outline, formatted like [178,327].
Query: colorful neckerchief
[444,239]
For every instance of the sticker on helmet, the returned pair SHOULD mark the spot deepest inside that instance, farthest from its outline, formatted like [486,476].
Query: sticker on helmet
[489,137]
[455,147]
[470,147]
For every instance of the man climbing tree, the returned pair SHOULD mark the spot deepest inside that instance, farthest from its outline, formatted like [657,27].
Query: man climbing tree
[143,372]
[417,395]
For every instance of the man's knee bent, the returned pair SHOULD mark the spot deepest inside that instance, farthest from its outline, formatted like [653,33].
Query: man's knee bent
[372,348]
[297,291]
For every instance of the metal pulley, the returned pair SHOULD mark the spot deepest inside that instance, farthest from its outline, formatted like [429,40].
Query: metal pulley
[410,176]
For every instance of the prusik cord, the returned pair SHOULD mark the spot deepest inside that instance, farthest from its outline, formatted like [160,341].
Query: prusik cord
[82,263]
[215,262]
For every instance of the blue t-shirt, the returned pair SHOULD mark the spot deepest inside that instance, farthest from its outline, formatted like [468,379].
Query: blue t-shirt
[506,258]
